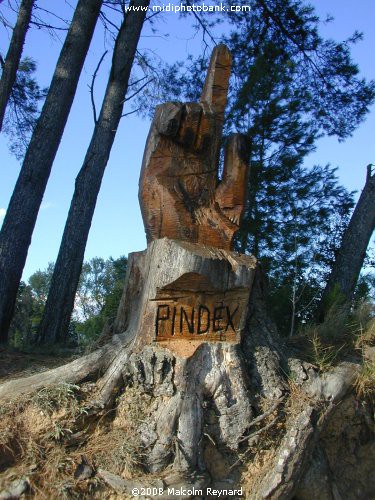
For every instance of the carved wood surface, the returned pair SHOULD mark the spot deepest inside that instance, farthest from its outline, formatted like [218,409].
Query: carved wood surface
[180,194]
[192,314]
[186,291]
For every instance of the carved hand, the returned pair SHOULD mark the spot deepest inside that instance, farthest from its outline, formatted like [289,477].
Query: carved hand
[179,192]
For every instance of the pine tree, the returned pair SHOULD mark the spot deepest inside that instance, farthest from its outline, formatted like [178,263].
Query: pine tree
[23,108]
[19,222]
[10,65]
[60,302]
[352,251]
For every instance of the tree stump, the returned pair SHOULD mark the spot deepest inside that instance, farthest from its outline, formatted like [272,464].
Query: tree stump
[182,328]
[192,290]
[186,330]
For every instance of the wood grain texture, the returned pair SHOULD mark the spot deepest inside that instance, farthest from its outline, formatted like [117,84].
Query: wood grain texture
[170,279]
[180,194]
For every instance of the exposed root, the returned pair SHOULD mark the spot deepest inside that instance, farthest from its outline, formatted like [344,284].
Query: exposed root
[84,368]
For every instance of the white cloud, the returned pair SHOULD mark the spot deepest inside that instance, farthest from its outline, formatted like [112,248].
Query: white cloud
[2,213]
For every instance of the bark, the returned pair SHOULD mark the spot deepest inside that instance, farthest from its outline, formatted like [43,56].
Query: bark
[211,397]
[13,57]
[15,489]
[19,222]
[60,301]
[301,438]
[345,272]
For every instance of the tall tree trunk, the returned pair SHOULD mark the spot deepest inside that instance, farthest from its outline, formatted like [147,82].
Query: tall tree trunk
[345,272]
[13,57]
[60,301]
[19,222]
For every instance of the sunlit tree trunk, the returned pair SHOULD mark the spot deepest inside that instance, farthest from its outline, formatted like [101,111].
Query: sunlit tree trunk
[345,272]
[19,222]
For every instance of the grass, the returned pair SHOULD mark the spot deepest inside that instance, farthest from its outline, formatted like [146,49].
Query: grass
[365,382]
[51,399]
[365,345]
[340,336]
[58,432]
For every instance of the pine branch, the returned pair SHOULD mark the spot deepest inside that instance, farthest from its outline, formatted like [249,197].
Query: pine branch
[91,87]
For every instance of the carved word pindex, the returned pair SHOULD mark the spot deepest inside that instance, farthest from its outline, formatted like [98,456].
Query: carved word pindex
[194,288]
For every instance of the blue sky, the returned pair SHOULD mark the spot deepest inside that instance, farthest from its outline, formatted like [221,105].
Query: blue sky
[117,227]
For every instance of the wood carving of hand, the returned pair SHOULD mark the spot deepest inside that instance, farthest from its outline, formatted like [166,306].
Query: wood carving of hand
[180,194]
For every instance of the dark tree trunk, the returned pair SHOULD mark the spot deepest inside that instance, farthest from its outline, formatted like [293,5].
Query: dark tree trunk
[60,301]
[19,222]
[13,57]
[345,272]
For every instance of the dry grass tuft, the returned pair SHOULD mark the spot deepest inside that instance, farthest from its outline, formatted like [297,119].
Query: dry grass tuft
[340,336]
[365,345]
[365,336]
[62,396]
[365,382]
[298,400]
[323,355]
[255,469]
[35,441]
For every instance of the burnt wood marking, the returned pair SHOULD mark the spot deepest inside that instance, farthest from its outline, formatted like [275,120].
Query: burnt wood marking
[195,321]
[204,309]
[191,308]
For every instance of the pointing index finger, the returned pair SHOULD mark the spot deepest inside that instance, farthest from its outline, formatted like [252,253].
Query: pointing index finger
[215,88]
